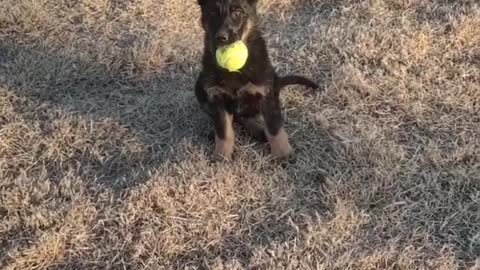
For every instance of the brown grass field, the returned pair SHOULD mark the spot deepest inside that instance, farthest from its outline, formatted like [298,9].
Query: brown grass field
[104,155]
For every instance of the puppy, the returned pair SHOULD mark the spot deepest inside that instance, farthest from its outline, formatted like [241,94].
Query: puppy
[250,96]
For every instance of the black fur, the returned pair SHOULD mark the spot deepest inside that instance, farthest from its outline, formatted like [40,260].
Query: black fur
[219,91]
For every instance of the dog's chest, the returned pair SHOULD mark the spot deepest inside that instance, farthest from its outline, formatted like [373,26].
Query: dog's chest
[246,104]
[240,99]
[237,91]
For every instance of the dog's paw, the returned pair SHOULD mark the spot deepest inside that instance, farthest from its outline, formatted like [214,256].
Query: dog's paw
[281,150]
[223,150]
[279,145]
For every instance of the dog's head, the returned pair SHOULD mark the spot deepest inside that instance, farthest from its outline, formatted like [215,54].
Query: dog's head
[227,21]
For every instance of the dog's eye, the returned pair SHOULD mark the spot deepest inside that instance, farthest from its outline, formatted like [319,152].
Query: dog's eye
[237,13]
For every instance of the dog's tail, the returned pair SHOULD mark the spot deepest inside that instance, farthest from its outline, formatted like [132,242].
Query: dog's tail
[294,79]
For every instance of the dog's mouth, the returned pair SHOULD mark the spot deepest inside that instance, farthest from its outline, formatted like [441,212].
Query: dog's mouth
[220,44]
[224,44]
[225,40]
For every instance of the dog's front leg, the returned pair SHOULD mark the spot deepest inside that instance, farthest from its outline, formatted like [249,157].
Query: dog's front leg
[276,134]
[224,134]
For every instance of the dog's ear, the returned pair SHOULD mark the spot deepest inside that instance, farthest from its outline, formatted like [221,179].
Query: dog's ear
[201,2]
[251,2]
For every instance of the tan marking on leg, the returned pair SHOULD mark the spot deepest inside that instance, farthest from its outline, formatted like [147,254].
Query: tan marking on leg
[279,144]
[247,31]
[214,91]
[224,148]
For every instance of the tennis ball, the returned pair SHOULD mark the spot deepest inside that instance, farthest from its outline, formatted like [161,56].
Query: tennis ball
[232,57]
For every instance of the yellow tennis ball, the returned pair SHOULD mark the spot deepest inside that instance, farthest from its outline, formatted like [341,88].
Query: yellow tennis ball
[232,57]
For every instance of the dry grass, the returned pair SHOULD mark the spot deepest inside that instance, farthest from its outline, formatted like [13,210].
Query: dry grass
[104,155]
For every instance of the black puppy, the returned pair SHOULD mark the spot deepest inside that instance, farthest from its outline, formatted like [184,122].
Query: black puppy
[247,96]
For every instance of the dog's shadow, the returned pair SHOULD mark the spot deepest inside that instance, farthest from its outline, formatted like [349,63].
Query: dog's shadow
[140,122]
[158,111]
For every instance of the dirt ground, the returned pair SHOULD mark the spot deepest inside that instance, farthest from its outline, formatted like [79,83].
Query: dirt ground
[104,155]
